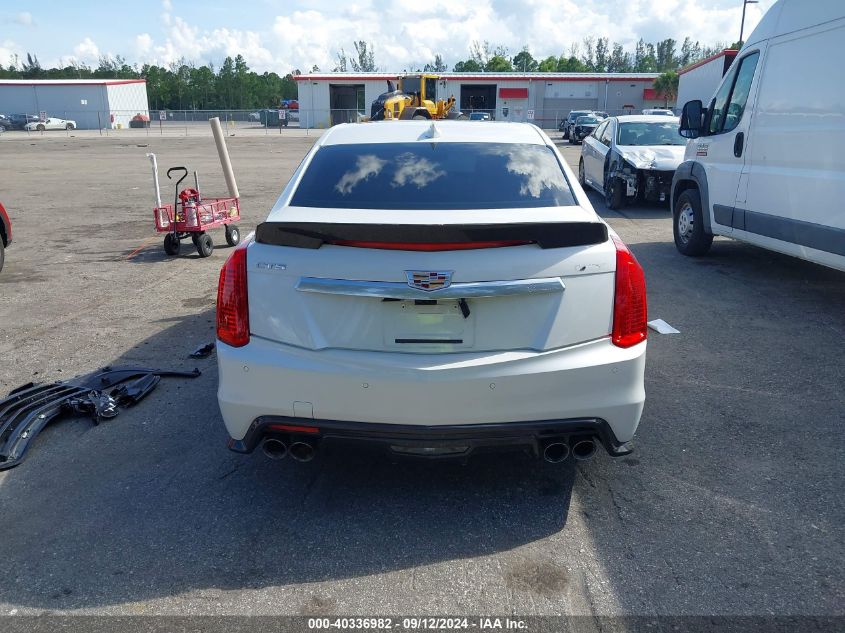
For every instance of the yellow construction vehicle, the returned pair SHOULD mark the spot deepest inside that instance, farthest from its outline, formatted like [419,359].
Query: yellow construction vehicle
[414,99]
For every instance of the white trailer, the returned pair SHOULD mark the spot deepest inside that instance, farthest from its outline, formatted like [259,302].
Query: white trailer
[700,80]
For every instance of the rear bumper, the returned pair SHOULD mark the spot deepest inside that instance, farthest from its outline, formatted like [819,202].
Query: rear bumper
[434,441]
[398,393]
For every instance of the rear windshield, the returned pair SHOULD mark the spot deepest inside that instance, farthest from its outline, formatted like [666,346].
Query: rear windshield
[584,120]
[421,175]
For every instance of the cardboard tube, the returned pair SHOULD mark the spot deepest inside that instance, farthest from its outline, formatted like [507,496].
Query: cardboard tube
[152,158]
[220,141]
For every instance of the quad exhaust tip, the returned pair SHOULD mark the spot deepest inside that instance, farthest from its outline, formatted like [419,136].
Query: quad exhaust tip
[302,451]
[584,449]
[556,452]
[274,449]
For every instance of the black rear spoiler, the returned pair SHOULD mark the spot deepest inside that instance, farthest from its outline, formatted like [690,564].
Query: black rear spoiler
[544,234]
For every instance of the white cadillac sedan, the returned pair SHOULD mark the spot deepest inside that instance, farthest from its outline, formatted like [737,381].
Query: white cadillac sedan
[632,157]
[435,289]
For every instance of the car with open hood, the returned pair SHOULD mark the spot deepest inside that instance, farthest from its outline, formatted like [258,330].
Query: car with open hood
[633,157]
[435,289]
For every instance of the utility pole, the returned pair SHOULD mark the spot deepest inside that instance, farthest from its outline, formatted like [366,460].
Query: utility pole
[742,24]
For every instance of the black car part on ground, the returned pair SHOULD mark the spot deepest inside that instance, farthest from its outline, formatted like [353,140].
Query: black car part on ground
[472,438]
[28,409]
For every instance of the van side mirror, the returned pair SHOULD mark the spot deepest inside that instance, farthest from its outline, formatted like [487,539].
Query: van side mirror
[691,119]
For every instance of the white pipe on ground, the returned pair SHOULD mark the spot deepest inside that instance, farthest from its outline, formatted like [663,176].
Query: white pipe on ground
[220,141]
[152,158]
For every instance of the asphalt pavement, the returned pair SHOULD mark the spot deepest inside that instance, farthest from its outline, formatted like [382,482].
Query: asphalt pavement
[731,503]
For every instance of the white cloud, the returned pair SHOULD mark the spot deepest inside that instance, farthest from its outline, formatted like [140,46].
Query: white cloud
[407,35]
[24,18]
[8,50]
[86,50]
[143,44]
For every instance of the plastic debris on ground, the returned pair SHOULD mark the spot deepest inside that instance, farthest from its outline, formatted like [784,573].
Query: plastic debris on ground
[31,407]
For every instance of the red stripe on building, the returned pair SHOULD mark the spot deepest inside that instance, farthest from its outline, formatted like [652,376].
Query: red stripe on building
[513,93]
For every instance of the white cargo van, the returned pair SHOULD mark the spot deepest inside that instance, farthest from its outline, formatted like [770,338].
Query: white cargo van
[766,163]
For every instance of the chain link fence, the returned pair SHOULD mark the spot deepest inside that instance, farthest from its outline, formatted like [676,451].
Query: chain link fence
[235,122]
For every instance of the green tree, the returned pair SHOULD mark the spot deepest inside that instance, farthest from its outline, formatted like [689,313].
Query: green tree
[438,66]
[499,63]
[548,65]
[666,59]
[524,62]
[571,65]
[366,62]
[666,85]
[602,55]
[620,61]
[468,66]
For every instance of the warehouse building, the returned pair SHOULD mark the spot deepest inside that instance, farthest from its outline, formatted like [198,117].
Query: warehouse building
[92,103]
[700,80]
[544,98]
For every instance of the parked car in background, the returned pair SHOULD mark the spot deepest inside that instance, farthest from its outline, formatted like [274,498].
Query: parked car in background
[584,126]
[5,233]
[632,157]
[766,165]
[569,121]
[428,239]
[5,123]
[19,121]
[51,123]
[658,112]
[479,116]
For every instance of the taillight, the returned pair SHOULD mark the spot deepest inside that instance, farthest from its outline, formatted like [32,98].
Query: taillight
[232,301]
[629,303]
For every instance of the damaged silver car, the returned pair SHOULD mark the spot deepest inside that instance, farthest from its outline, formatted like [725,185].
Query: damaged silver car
[632,158]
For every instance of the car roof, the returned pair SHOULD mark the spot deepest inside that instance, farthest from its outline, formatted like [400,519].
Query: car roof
[447,132]
[644,118]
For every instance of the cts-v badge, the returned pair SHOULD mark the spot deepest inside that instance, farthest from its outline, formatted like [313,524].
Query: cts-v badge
[429,280]
[270,266]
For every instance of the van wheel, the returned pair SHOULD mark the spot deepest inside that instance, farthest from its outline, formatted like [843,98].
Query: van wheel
[688,225]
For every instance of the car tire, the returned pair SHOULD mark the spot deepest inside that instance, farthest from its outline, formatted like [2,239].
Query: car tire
[614,194]
[2,254]
[582,176]
[40,128]
[233,235]
[691,238]
[69,126]
[171,245]
[205,245]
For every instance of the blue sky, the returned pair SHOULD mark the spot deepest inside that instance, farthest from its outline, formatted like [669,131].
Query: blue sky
[280,36]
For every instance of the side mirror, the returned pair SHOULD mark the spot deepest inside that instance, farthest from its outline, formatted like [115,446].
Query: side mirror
[691,119]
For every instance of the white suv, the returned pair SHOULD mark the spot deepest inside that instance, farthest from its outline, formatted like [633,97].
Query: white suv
[437,289]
